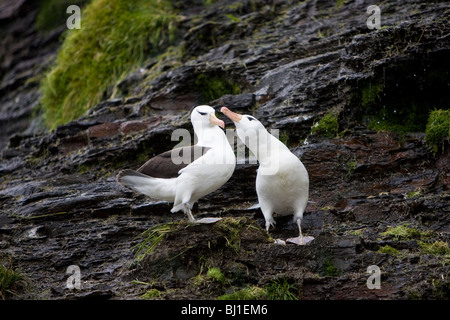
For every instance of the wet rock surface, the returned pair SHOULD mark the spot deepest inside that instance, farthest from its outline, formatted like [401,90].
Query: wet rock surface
[60,204]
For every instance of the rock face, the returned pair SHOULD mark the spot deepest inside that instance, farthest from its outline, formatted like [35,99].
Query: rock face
[293,62]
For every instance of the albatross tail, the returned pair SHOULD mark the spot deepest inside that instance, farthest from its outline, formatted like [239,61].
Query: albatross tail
[156,188]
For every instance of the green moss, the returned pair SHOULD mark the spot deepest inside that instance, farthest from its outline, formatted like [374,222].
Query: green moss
[213,87]
[215,274]
[435,248]
[371,94]
[339,4]
[209,2]
[115,37]
[407,119]
[284,137]
[250,293]
[437,129]
[52,13]
[389,250]
[404,232]
[231,228]
[351,167]
[328,126]
[151,294]
[83,168]
[416,193]
[232,18]
[330,269]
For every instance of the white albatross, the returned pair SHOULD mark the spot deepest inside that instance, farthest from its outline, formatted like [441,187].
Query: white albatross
[282,182]
[197,170]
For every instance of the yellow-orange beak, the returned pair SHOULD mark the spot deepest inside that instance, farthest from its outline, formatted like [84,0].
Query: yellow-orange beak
[235,117]
[214,120]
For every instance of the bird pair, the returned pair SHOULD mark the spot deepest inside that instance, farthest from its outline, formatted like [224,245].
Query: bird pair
[282,183]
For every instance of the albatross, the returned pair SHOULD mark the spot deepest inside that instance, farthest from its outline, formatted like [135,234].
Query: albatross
[282,182]
[185,174]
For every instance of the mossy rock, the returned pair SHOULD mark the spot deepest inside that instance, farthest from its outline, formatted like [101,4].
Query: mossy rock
[115,37]
[214,87]
[438,129]
[328,126]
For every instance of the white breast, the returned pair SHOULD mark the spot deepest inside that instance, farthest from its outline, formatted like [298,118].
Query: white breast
[285,191]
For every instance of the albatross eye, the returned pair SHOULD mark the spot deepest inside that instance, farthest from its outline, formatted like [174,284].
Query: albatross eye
[202,113]
[250,118]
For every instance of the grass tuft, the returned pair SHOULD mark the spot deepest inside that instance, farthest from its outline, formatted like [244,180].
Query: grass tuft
[9,280]
[151,238]
[281,289]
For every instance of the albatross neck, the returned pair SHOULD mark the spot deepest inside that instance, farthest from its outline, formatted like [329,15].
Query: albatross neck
[210,137]
[267,147]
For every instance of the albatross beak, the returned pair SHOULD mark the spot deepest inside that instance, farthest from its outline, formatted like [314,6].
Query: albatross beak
[214,120]
[235,117]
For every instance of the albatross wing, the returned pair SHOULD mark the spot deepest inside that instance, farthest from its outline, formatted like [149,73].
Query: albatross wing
[167,164]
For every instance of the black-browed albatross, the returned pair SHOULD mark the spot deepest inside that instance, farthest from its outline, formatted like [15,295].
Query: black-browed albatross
[282,182]
[204,167]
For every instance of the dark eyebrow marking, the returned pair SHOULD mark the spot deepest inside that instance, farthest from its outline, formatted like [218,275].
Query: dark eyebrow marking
[250,118]
[202,113]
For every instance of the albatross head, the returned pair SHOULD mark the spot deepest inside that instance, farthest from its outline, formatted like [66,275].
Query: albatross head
[245,124]
[205,116]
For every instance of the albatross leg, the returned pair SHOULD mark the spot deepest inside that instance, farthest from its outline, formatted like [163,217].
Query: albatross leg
[188,211]
[191,218]
[300,240]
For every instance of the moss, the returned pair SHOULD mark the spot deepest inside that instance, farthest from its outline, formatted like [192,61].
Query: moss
[213,87]
[232,18]
[231,228]
[284,137]
[435,248]
[52,13]
[328,126]
[209,2]
[401,121]
[351,167]
[388,250]
[441,289]
[83,168]
[250,293]
[330,269]
[215,274]
[371,94]
[416,193]
[404,232]
[151,294]
[356,233]
[437,129]
[114,38]
[339,4]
